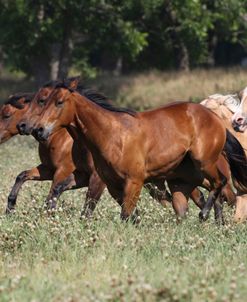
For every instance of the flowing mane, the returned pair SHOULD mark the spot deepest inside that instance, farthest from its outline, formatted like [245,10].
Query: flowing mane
[97,98]
[13,100]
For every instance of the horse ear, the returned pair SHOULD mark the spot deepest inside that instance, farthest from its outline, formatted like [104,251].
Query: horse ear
[73,82]
[240,94]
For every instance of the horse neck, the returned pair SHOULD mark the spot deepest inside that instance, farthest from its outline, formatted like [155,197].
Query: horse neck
[92,123]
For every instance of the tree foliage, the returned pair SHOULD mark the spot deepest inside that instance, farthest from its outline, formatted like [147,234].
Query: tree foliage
[43,38]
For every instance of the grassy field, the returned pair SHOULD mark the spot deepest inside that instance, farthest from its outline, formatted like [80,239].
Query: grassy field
[56,257]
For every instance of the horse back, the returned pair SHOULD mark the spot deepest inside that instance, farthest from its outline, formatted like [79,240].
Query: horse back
[184,127]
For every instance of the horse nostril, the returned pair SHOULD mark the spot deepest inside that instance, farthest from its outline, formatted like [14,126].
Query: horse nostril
[239,120]
[40,131]
[21,127]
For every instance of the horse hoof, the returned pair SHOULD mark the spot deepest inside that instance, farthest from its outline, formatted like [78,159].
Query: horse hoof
[9,211]
[202,216]
[136,220]
[86,216]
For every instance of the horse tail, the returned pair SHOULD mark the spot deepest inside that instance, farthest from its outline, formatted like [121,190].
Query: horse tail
[237,161]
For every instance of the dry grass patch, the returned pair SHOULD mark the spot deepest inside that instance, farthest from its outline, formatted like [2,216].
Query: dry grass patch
[156,88]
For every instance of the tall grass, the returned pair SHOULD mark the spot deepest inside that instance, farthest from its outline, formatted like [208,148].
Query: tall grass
[150,89]
[157,88]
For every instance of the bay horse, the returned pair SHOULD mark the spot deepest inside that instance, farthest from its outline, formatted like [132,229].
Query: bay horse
[130,148]
[59,156]
[156,189]
[64,160]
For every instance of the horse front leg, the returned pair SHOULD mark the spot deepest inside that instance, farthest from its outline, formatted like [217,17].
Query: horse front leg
[130,197]
[63,181]
[95,189]
[39,173]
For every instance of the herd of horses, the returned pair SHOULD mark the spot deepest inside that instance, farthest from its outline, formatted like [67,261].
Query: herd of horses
[85,141]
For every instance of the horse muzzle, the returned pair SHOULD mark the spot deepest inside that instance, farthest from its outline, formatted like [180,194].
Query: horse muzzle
[41,134]
[24,129]
[239,126]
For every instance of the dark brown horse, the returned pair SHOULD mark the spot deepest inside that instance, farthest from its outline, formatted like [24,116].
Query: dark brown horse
[130,149]
[63,160]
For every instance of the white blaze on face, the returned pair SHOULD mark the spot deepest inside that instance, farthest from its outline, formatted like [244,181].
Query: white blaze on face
[239,119]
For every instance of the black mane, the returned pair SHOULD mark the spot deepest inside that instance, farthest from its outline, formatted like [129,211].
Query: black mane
[97,98]
[13,100]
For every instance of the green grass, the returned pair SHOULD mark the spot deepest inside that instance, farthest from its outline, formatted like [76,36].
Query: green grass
[56,257]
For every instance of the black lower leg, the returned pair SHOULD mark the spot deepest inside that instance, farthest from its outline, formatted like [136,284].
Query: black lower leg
[204,213]
[89,207]
[218,211]
[95,190]
[20,179]
[158,193]
[56,191]
[213,195]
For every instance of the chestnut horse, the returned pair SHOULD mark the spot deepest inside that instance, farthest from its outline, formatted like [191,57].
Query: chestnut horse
[130,149]
[63,160]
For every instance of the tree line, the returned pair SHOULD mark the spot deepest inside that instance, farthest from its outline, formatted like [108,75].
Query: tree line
[44,38]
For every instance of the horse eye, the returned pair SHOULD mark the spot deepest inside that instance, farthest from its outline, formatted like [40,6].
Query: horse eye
[5,117]
[59,103]
[41,102]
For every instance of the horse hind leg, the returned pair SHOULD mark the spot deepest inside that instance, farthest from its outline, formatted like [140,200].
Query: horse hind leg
[217,181]
[218,210]
[159,192]
[180,195]
[198,198]
[228,195]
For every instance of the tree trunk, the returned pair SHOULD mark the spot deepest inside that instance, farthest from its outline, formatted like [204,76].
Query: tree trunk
[181,52]
[1,60]
[118,67]
[40,69]
[66,48]
[55,58]
[212,43]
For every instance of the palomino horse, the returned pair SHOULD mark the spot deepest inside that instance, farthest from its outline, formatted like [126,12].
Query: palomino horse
[63,160]
[130,149]
[228,108]
[239,119]
[225,106]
